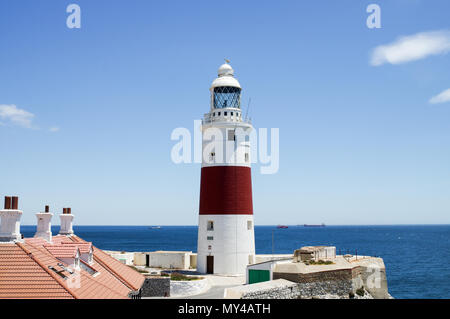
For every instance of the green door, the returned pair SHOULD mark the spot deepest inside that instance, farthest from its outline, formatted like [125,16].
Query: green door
[256,275]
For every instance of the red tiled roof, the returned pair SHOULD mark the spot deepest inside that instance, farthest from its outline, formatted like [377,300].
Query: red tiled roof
[26,271]
[89,287]
[62,251]
[127,275]
[84,247]
[22,277]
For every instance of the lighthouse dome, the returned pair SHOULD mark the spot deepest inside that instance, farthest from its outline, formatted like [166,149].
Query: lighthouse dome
[225,69]
[225,77]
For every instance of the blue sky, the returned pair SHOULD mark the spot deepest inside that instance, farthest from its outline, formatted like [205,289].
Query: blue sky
[95,107]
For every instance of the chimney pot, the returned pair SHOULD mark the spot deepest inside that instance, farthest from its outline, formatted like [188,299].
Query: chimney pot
[10,220]
[66,222]
[44,225]
[7,202]
[15,202]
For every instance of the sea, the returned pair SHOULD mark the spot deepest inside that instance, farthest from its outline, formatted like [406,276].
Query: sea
[417,258]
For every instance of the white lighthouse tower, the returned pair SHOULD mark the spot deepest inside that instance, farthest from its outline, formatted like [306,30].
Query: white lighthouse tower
[226,240]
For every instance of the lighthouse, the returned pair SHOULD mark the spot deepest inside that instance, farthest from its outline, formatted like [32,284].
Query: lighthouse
[226,240]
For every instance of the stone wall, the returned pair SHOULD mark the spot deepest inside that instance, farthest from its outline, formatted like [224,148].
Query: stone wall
[334,282]
[275,289]
[188,288]
[156,287]
[374,280]
[291,292]
[319,289]
[331,275]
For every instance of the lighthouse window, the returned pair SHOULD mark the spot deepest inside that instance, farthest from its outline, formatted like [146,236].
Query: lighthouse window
[210,225]
[246,157]
[227,96]
[225,113]
[218,114]
[231,136]
[209,238]
[249,224]
[231,113]
[211,156]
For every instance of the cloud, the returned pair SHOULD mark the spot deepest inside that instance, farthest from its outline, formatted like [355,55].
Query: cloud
[441,97]
[412,48]
[16,116]
[54,129]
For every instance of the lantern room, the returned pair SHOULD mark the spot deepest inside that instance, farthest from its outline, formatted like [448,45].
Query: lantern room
[225,89]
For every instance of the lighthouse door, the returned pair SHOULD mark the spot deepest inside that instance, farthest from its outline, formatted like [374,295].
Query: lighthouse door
[209,264]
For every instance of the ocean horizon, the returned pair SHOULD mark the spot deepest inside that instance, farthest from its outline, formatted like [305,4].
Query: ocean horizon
[416,256]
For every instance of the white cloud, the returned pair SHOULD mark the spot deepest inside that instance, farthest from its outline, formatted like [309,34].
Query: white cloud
[441,97]
[11,113]
[412,48]
[54,129]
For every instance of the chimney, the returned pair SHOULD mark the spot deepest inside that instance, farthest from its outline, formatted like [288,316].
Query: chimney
[66,222]
[10,220]
[44,225]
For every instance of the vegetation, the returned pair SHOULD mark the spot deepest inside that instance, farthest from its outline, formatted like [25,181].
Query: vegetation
[142,271]
[320,262]
[351,295]
[360,292]
[180,277]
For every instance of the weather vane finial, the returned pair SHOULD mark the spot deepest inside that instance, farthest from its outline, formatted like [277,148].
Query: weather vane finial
[226,60]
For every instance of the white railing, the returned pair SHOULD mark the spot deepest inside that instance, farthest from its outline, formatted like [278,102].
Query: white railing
[226,119]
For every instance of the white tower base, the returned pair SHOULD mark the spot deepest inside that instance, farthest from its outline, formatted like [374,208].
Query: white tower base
[230,243]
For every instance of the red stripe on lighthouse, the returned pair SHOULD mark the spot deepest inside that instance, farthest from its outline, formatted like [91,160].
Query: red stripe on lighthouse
[226,190]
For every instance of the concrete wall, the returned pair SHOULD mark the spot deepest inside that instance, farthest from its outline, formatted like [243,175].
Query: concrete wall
[140,259]
[156,287]
[264,258]
[373,276]
[167,259]
[170,259]
[125,258]
[193,261]
[317,253]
